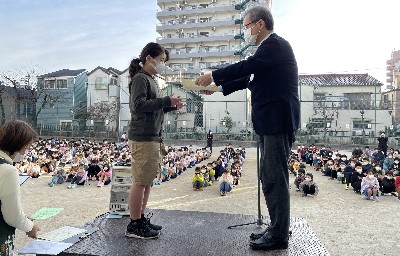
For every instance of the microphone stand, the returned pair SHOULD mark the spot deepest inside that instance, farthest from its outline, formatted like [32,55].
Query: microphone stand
[259,221]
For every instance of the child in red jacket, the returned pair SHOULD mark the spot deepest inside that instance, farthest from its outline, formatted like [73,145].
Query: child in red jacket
[397,185]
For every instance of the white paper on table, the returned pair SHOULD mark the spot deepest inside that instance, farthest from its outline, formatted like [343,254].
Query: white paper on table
[61,234]
[190,85]
[44,247]
[23,178]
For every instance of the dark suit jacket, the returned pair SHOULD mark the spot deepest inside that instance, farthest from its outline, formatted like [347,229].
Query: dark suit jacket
[274,88]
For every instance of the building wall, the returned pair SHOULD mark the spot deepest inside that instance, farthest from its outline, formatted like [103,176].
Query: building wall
[103,91]
[62,110]
[340,120]
[125,114]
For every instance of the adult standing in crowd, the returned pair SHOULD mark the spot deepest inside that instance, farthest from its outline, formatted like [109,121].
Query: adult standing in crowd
[210,138]
[271,74]
[15,137]
[383,143]
[144,135]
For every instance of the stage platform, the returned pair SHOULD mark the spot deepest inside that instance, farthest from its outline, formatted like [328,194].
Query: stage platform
[191,233]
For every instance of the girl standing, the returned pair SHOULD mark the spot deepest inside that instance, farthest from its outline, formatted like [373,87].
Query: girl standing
[144,134]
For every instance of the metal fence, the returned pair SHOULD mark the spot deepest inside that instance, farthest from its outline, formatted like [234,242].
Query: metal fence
[336,122]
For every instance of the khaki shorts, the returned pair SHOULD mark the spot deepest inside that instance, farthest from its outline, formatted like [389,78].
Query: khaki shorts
[145,161]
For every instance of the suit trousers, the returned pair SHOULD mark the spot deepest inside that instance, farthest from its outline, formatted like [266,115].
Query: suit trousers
[275,150]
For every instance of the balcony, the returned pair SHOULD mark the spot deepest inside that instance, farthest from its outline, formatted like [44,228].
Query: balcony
[195,39]
[193,25]
[187,11]
[199,54]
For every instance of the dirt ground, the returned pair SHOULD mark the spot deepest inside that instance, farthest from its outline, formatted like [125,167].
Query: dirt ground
[345,224]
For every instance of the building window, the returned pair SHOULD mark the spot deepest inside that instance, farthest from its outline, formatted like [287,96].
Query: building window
[101,83]
[62,84]
[50,84]
[359,124]
[359,100]
[113,81]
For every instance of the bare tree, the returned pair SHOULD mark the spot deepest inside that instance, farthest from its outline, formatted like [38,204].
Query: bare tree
[26,88]
[3,114]
[104,111]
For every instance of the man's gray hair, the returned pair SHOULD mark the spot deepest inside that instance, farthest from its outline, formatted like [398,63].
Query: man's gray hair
[259,12]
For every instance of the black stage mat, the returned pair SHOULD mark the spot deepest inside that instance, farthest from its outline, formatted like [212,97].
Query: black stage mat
[192,233]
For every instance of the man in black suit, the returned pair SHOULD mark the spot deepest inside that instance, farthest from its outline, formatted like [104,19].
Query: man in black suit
[271,74]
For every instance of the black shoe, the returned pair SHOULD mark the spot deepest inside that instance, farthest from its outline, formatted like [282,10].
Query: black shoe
[139,229]
[150,225]
[269,243]
[255,236]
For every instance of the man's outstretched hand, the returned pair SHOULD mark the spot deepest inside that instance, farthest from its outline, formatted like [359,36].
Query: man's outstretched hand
[204,80]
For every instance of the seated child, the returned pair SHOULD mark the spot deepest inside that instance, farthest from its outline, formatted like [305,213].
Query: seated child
[300,178]
[356,178]
[370,186]
[397,185]
[226,181]
[34,170]
[211,172]
[104,176]
[388,184]
[197,179]
[206,176]
[79,178]
[172,170]
[236,175]
[59,175]
[308,186]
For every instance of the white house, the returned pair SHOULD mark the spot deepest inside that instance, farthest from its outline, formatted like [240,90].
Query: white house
[342,105]
[103,87]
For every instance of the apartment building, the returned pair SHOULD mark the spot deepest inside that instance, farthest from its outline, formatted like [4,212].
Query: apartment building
[392,66]
[200,34]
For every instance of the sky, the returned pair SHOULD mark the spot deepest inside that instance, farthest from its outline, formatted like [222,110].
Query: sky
[327,36]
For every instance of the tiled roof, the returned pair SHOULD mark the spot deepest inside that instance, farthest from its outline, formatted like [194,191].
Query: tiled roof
[64,72]
[23,93]
[108,71]
[339,80]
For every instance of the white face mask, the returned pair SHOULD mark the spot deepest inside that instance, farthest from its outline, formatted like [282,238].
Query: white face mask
[370,176]
[308,179]
[248,37]
[158,67]
[359,170]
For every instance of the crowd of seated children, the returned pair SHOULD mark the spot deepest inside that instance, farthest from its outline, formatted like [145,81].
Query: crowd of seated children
[227,169]
[178,160]
[370,174]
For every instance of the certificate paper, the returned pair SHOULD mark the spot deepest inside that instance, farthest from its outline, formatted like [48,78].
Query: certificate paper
[61,234]
[44,247]
[190,85]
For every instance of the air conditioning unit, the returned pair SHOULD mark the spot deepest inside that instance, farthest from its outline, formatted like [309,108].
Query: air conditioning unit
[214,28]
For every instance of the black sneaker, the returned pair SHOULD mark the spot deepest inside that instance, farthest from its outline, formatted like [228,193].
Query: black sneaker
[146,219]
[139,229]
